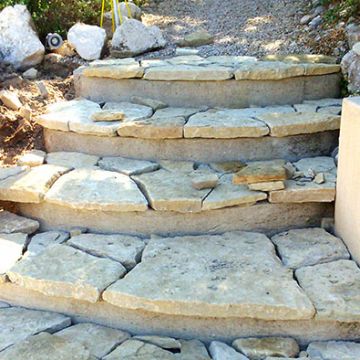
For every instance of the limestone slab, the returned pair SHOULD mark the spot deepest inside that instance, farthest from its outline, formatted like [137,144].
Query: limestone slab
[304,247]
[125,71]
[153,103]
[335,110]
[19,323]
[321,69]
[97,190]
[61,270]
[259,348]
[177,166]
[228,166]
[164,342]
[217,275]
[302,58]
[318,164]
[131,111]
[188,73]
[171,191]
[173,112]
[204,180]
[227,194]
[221,351]
[11,249]
[334,350]
[32,158]
[192,350]
[325,102]
[107,115]
[41,241]
[122,248]
[333,288]
[12,223]
[223,124]
[267,186]
[127,166]
[6,171]
[300,123]
[71,160]
[31,185]
[4,305]
[188,60]
[99,340]
[46,347]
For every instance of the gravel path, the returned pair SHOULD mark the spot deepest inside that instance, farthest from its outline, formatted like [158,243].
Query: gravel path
[240,27]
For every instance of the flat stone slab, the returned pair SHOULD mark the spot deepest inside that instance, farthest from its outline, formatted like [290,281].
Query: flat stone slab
[334,288]
[193,350]
[19,323]
[334,350]
[217,275]
[41,241]
[32,158]
[12,247]
[115,71]
[299,123]
[131,111]
[164,342]
[317,164]
[127,166]
[99,340]
[63,271]
[267,186]
[221,351]
[122,248]
[304,247]
[224,124]
[97,190]
[72,160]
[302,58]
[6,171]
[12,223]
[31,185]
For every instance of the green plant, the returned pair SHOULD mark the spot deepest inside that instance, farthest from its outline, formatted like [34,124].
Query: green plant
[340,10]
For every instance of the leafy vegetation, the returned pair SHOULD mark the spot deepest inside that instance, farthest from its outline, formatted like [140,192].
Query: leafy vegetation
[340,10]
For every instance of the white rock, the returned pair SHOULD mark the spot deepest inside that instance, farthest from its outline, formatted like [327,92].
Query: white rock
[32,158]
[334,350]
[221,351]
[11,249]
[30,74]
[88,40]
[10,100]
[19,43]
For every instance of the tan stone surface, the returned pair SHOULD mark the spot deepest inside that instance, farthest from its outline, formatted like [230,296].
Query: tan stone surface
[223,124]
[72,160]
[173,112]
[11,249]
[31,185]
[61,270]
[334,350]
[12,223]
[217,275]
[333,288]
[300,123]
[153,103]
[97,190]
[41,241]
[114,71]
[267,186]
[32,158]
[108,115]
[161,341]
[177,166]
[204,180]
[6,171]
[321,69]
[228,166]
[302,58]
[127,166]
[125,249]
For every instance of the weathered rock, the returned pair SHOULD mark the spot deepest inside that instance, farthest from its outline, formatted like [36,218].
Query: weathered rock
[302,58]
[122,248]
[72,160]
[319,164]
[304,247]
[132,112]
[154,104]
[32,158]
[227,60]
[174,112]
[19,323]
[4,305]
[132,38]
[334,350]
[321,69]
[319,178]
[46,347]
[115,71]
[19,43]
[11,249]
[197,38]
[267,186]
[127,166]
[177,166]
[223,124]
[97,190]
[99,340]
[228,166]
[10,100]
[350,65]
[41,241]
[188,60]
[192,350]
[63,271]
[186,51]
[333,288]
[7,171]
[30,74]
[168,277]
[108,115]
[204,180]
[259,348]
[325,102]
[221,351]
[161,341]
[11,223]
[31,185]
[88,40]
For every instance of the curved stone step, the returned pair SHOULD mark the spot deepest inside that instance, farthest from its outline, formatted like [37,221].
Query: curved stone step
[216,81]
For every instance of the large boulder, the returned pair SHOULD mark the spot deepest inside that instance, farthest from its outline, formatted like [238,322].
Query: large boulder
[350,66]
[133,38]
[19,43]
[88,40]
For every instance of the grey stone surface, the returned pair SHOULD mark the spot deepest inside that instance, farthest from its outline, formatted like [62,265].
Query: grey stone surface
[71,159]
[41,241]
[221,351]
[317,164]
[12,247]
[12,223]
[32,158]
[192,350]
[127,166]
[334,350]
[6,171]
[161,341]
[153,103]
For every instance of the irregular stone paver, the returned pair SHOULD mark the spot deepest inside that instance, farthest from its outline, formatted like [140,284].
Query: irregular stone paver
[334,350]
[188,60]
[335,110]
[228,166]
[161,341]
[259,348]
[267,186]
[32,158]
[138,350]
[188,73]
[299,123]
[173,112]
[99,340]
[125,71]
[131,111]
[127,166]
[19,323]
[230,60]
[212,274]
[321,69]
[192,350]
[204,179]
[46,347]
[334,288]
[227,194]
[257,111]
[153,103]
[325,102]
[221,351]
[122,248]
[6,171]
[171,191]
[177,166]
[261,171]
[31,185]
[63,271]
[97,190]
[11,249]
[224,124]
[301,58]
[72,160]
[304,247]
[317,164]
[40,242]
[12,223]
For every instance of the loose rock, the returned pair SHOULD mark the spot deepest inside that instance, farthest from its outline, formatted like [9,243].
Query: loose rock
[197,38]
[221,351]
[11,223]
[10,100]
[32,158]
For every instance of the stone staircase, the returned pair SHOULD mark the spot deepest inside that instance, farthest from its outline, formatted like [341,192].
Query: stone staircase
[188,198]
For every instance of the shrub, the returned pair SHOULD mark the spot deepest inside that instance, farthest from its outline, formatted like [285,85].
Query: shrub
[340,10]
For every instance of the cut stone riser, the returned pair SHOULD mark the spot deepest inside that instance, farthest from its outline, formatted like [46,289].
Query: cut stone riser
[263,217]
[291,148]
[230,93]
[206,329]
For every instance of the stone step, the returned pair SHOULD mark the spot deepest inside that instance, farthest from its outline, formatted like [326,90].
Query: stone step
[113,194]
[300,284]
[200,134]
[233,82]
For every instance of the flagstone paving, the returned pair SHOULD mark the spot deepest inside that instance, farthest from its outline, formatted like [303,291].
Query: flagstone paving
[12,223]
